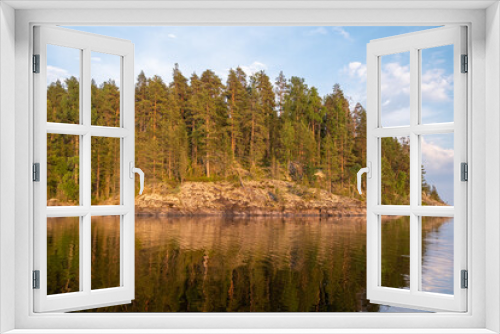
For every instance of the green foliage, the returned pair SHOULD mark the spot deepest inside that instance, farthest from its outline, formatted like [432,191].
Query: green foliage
[199,129]
[395,171]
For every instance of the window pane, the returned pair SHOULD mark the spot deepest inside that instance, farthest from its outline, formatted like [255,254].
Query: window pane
[437,254]
[395,170]
[436,84]
[395,232]
[105,171]
[106,71]
[63,170]
[63,255]
[395,89]
[63,84]
[437,169]
[105,252]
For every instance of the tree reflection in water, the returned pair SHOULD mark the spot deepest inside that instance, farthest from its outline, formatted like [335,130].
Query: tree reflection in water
[247,265]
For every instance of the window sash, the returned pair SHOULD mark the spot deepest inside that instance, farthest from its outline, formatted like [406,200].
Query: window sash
[86,297]
[413,298]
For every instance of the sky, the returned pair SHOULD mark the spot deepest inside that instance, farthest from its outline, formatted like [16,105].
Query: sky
[322,55]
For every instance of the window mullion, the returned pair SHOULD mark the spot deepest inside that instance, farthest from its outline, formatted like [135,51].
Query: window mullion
[414,170]
[86,180]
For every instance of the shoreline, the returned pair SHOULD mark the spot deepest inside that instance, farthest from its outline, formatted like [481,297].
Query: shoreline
[251,214]
[266,198]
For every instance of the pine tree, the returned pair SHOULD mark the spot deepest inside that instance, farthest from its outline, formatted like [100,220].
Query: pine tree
[194,121]
[237,102]
[212,105]
[180,89]
[158,97]
[187,130]
[267,100]
[257,118]
[315,115]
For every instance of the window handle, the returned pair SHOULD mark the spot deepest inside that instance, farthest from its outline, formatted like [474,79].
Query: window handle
[132,171]
[368,171]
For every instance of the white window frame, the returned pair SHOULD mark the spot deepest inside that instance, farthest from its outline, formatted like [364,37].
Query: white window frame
[85,297]
[484,103]
[413,43]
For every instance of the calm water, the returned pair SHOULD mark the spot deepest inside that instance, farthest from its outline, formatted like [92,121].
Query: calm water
[250,265]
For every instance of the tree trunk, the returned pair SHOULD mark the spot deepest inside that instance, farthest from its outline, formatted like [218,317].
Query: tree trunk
[97,175]
[194,152]
[154,148]
[207,122]
[252,136]
[233,144]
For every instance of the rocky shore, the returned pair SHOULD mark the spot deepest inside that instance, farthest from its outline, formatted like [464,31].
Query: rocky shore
[245,199]
[253,198]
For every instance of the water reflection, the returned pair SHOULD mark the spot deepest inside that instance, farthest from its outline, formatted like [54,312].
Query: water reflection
[437,255]
[251,265]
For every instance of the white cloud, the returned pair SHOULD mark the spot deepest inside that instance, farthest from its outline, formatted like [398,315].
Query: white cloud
[436,159]
[354,83]
[395,79]
[324,31]
[342,32]
[151,65]
[356,69]
[437,86]
[395,94]
[395,90]
[96,59]
[172,36]
[56,73]
[316,31]
[394,117]
[438,164]
[253,67]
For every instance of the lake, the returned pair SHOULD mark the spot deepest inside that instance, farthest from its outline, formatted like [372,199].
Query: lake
[214,264]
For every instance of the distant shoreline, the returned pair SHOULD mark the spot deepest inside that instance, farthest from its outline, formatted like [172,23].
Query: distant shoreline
[250,214]
[264,198]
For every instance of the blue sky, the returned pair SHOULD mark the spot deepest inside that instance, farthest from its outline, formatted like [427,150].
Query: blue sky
[323,55]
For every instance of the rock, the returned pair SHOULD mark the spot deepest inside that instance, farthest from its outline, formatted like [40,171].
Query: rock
[256,198]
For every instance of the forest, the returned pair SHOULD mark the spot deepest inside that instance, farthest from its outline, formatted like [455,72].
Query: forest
[201,129]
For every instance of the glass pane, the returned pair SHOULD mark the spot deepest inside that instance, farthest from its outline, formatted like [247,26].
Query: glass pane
[105,171]
[436,84]
[63,170]
[63,255]
[63,84]
[395,89]
[105,252]
[437,254]
[437,169]
[395,234]
[105,71]
[395,170]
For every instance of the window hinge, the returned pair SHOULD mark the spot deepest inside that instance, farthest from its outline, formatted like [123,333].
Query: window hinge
[36,63]
[36,279]
[36,172]
[465,279]
[465,64]
[464,171]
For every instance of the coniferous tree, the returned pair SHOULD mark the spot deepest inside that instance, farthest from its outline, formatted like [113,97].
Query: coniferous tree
[256,118]
[212,104]
[237,102]
[200,129]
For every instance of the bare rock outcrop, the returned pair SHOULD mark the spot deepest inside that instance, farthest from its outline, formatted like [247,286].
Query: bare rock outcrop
[254,198]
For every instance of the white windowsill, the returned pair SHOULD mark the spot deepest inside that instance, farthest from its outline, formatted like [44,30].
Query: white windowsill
[484,235]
